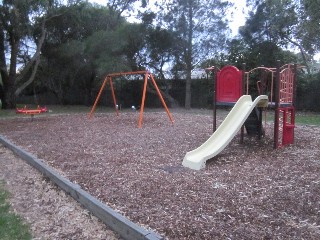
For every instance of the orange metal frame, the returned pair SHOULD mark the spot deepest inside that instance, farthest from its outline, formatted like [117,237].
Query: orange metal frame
[147,76]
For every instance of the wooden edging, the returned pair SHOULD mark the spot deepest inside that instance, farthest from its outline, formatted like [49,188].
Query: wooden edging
[118,223]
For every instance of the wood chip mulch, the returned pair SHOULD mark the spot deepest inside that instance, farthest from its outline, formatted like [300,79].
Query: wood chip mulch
[50,213]
[249,191]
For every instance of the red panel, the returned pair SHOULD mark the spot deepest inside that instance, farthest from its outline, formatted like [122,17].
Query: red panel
[229,84]
[288,126]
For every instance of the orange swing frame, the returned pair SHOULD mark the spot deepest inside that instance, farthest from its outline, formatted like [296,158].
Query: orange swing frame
[147,76]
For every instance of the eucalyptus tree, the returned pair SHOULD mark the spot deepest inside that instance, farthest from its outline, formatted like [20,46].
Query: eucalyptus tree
[19,21]
[200,28]
[23,22]
[118,7]
[81,43]
[309,27]
[161,48]
[287,23]
[14,22]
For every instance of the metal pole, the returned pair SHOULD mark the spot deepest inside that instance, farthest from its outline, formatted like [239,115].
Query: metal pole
[243,92]
[214,99]
[277,105]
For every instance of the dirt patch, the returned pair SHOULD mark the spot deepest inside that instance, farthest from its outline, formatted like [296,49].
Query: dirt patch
[249,191]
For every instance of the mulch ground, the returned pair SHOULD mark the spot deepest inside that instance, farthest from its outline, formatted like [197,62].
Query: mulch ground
[249,191]
[48,211]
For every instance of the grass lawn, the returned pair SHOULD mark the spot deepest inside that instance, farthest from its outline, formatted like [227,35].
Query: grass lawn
[308,118]
[301,118]
[11,225]
[304,118]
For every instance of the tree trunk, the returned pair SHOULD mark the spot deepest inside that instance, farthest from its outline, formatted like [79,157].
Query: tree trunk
[3,70]
[9,84]
[166,96]
[189,56]
[302,53]
[89,87]
[187,103]
[9,97]
[33,63]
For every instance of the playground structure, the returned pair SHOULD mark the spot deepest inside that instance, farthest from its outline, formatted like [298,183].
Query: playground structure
[147,76]
[277,83]
[275,88]
[31,112]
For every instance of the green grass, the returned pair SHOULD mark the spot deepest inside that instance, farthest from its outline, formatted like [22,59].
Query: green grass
[301,118]
[11,225]
[305,118]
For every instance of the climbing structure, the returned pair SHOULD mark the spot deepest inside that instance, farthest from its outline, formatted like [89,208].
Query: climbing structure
[284,105]
[277,83]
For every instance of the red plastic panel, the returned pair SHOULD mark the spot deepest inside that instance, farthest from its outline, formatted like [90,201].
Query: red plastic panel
[288,126]
[229,84]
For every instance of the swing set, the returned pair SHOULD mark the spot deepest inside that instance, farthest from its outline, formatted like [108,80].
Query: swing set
[147,76]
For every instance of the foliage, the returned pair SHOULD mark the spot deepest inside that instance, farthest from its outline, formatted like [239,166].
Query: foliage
[80,42]
[161,48]
[286,24]
[199,32]
[88,39]
[19,20]
[58,24]
[308,88]
[93,50]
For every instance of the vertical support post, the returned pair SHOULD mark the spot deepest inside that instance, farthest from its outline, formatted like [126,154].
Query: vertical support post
[294,97]
[146,76]
[293,119]
[113,96]
[214,100]
[98,97]
[294,90]
[161,98]
[260,123]
[243,92]
[277,105]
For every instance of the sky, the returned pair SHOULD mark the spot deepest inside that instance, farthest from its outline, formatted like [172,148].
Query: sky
[239,15]
[237,20]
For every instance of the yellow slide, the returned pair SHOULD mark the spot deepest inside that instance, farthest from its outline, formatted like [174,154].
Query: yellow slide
[197,158]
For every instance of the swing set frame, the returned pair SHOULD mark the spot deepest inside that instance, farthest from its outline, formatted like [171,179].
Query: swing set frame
[147,76]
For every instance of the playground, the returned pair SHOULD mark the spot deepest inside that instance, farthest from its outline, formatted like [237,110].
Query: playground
[242,171]
[250,190]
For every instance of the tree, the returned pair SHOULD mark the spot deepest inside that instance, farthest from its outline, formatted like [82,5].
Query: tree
[287,23]
[82,37]
[14,24]
[120,6]
[200,32]
[25,22]
[309,27]
[161,47]
[18,21]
